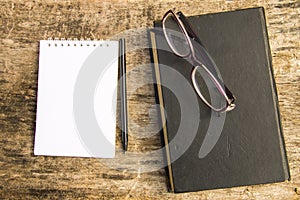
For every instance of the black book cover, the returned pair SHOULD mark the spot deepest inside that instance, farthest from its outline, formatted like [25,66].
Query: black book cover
[244,146]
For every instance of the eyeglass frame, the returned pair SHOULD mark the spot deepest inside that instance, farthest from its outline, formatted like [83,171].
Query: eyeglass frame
[188,32]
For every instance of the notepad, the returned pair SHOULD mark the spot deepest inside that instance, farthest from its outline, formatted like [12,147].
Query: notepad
[76,103]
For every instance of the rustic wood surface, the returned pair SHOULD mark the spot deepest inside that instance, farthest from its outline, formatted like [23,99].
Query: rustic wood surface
[24,23]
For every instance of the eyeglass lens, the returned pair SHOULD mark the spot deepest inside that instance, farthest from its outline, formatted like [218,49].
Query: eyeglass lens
[208,89]
[175,36]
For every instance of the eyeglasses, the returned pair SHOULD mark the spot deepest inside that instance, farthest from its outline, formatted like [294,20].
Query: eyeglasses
[205,78]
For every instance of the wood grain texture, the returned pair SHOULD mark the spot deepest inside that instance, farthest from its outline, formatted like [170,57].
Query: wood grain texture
[24,23]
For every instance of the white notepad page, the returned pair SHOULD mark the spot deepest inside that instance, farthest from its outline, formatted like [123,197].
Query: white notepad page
[76,103]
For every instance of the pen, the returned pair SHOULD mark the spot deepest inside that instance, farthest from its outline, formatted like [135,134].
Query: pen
[123,91]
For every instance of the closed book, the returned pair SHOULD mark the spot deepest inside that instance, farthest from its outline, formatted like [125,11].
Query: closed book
[206,149]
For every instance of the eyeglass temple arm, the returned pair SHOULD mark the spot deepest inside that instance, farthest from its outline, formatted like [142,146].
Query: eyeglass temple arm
[188,28]
[229,94]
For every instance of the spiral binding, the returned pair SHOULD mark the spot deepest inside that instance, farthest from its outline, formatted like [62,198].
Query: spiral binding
[68,42]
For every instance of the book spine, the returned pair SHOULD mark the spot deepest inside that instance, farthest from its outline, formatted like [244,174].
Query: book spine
[162,113]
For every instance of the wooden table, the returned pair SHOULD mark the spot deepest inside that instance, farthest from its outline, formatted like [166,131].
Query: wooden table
[24,23]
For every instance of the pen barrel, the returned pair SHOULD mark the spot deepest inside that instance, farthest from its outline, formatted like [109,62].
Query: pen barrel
[123,94]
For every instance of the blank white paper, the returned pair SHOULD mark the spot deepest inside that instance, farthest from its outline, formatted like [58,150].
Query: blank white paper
[76,102]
